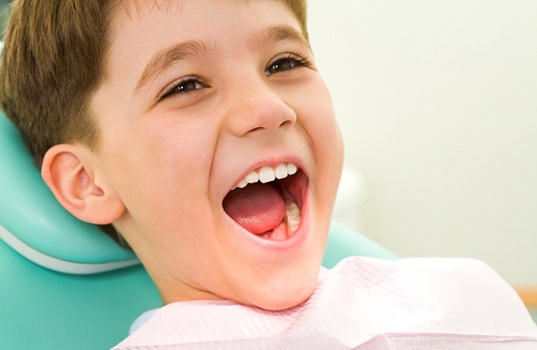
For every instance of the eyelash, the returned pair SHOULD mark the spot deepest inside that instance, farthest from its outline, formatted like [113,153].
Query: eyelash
[292,62]
[178,89]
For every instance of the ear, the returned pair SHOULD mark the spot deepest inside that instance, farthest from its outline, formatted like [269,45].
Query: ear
[67,170]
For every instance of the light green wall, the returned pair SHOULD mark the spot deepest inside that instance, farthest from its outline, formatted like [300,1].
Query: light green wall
[438,104]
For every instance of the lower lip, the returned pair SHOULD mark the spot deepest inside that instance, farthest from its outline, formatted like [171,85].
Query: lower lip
[294,242]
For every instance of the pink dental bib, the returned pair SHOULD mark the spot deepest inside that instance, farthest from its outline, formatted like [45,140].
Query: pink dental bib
[362,303]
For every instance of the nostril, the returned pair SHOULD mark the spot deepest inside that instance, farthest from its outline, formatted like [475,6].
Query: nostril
[286,123]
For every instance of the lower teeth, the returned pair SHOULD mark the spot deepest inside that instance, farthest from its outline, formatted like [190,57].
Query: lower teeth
[292,216]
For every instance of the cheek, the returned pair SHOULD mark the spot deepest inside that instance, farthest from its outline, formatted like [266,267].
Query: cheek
[319,120]
[163,167]
[320,123]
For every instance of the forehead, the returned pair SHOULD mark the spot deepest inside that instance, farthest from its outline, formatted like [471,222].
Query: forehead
[141,15]
[140,28]
[134,8]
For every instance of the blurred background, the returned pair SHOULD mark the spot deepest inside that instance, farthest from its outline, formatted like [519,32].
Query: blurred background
[4,12]
[437,101]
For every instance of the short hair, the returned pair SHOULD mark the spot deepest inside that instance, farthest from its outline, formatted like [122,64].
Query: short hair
[53,62]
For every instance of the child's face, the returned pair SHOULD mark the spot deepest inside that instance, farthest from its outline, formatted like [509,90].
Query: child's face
[197,95]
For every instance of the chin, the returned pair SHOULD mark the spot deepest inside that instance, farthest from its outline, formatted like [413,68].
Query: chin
[289,296]
[288,303]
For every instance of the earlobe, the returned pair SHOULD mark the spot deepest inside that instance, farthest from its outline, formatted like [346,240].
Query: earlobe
[67,170]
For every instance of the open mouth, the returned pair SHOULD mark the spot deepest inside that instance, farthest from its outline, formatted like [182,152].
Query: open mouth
[268,202]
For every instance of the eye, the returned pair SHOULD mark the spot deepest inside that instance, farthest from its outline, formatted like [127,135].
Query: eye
[286,63]
[185,86]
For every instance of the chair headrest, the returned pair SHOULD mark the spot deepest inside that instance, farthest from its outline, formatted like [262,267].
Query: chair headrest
[34,224]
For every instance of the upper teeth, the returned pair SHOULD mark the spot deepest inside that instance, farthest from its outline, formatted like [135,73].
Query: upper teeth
[268,174]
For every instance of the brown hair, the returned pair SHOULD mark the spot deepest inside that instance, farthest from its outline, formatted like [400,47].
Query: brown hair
[51,65]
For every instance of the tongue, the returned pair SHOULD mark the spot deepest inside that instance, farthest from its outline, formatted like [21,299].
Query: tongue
[258,208]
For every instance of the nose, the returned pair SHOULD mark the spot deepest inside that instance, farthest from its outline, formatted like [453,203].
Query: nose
[257,108]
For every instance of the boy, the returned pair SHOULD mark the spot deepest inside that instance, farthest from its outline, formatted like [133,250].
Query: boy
[200,133]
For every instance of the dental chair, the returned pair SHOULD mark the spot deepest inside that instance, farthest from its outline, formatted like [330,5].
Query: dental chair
[66,285]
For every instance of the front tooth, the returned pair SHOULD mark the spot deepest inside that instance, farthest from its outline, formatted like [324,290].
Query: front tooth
[281,171]
[242,184]
[266,174]
[291,169]
[252,178]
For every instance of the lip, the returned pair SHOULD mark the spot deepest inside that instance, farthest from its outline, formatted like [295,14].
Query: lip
[249,240]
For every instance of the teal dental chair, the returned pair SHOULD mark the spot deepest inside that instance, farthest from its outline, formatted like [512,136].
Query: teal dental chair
[66,285]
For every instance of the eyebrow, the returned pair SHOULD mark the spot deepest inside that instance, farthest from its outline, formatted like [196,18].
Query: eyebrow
[284,32]
[165,58]
[192,48]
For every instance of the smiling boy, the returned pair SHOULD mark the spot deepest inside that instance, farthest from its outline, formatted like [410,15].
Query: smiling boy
[184,115]
[198,131]
[189,104]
